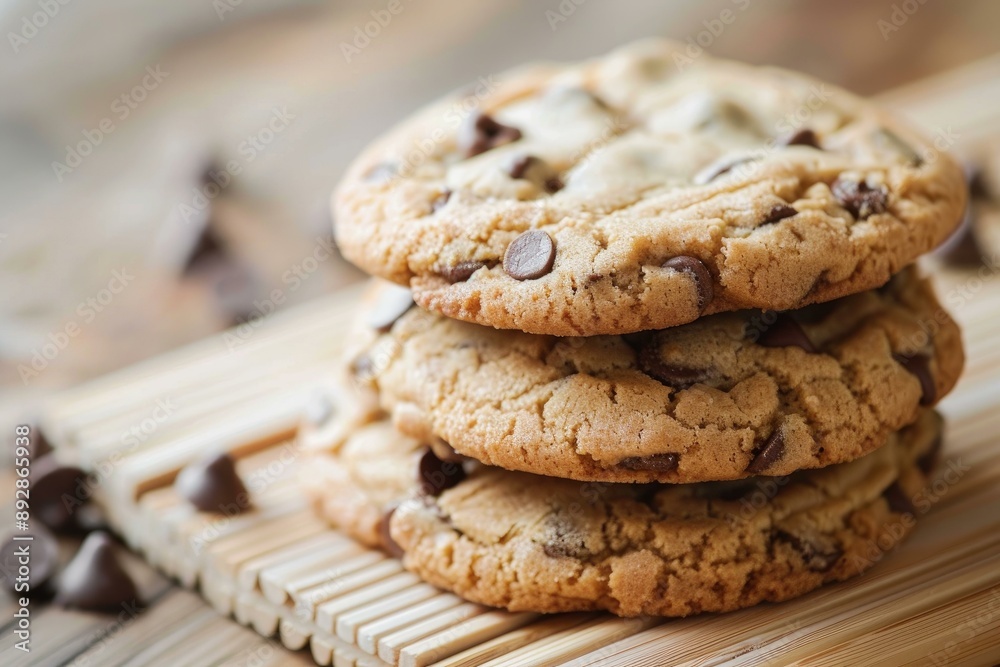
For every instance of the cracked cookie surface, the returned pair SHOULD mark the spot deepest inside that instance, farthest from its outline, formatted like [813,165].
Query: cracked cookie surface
[628,193]
[528,543]
[729,396]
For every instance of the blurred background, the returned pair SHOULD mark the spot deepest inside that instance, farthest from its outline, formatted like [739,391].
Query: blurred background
[122,233]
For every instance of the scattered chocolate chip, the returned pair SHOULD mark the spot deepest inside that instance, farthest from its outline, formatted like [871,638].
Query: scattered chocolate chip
[677,377]
[816,558]
[381,173]
[530,255]
[435,475]
[898,500]
[438,202]
[778,212]
[861,199]
[962,249]
[895,143]
[978,187]
[718,168]
[461,271]
[786,332]
[213,485]
[482,133]
[392,303]
[656,463]
[772,450]
[699,273]
[31,562]
[57,492]
[803,137]
[929,459]
[389,545]
[529,167]
[95,579]
[920,366]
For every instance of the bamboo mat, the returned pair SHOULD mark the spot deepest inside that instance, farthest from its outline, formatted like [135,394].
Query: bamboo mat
[313,595]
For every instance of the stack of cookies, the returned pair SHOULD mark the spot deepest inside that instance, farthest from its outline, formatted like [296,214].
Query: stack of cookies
[668,353]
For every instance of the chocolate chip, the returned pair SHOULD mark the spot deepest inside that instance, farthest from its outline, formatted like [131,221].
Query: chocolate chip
[894,142]
[57,492]
[482,133]
[461,271]
[786,332]
[962,248]
[699,273]
[389,545]
[435,475]
[529,167]
[28,561]
[920,366]
[898,500]
[815,558]
[718,168]
[671,375]
[213,485]
[929,459]
[438,202]
[769,453]
[392,303]
[778,212]
[95,579]
[861,199]
[656,463]
[803,137]
[39,445]
[530,255]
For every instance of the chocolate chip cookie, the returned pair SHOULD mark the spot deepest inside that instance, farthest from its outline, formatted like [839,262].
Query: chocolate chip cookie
[523,542]
[729,396]
[631,192]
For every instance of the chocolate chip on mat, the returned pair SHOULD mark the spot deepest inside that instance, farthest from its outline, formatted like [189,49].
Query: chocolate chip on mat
[26,566]
[861,199]
[213,485]
[803,137]
[392,303]
[699,273]
[388,544]
[768,454]
[461,271]
[95,579]
[530,256]
[57,492]
[481,133]
[786,332]
[656,462]
[920,366]
[435,475]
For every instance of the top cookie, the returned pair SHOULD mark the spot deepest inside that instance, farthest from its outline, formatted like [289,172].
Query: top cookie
[631,192]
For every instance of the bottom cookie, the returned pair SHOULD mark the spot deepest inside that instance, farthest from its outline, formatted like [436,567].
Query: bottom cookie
[530,543]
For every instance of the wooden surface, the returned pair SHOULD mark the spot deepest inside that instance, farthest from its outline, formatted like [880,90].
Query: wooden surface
[302,586]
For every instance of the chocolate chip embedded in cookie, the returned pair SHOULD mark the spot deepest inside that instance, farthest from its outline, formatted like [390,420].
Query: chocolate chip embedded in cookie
[529,543]
[728,396]
[561,204]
